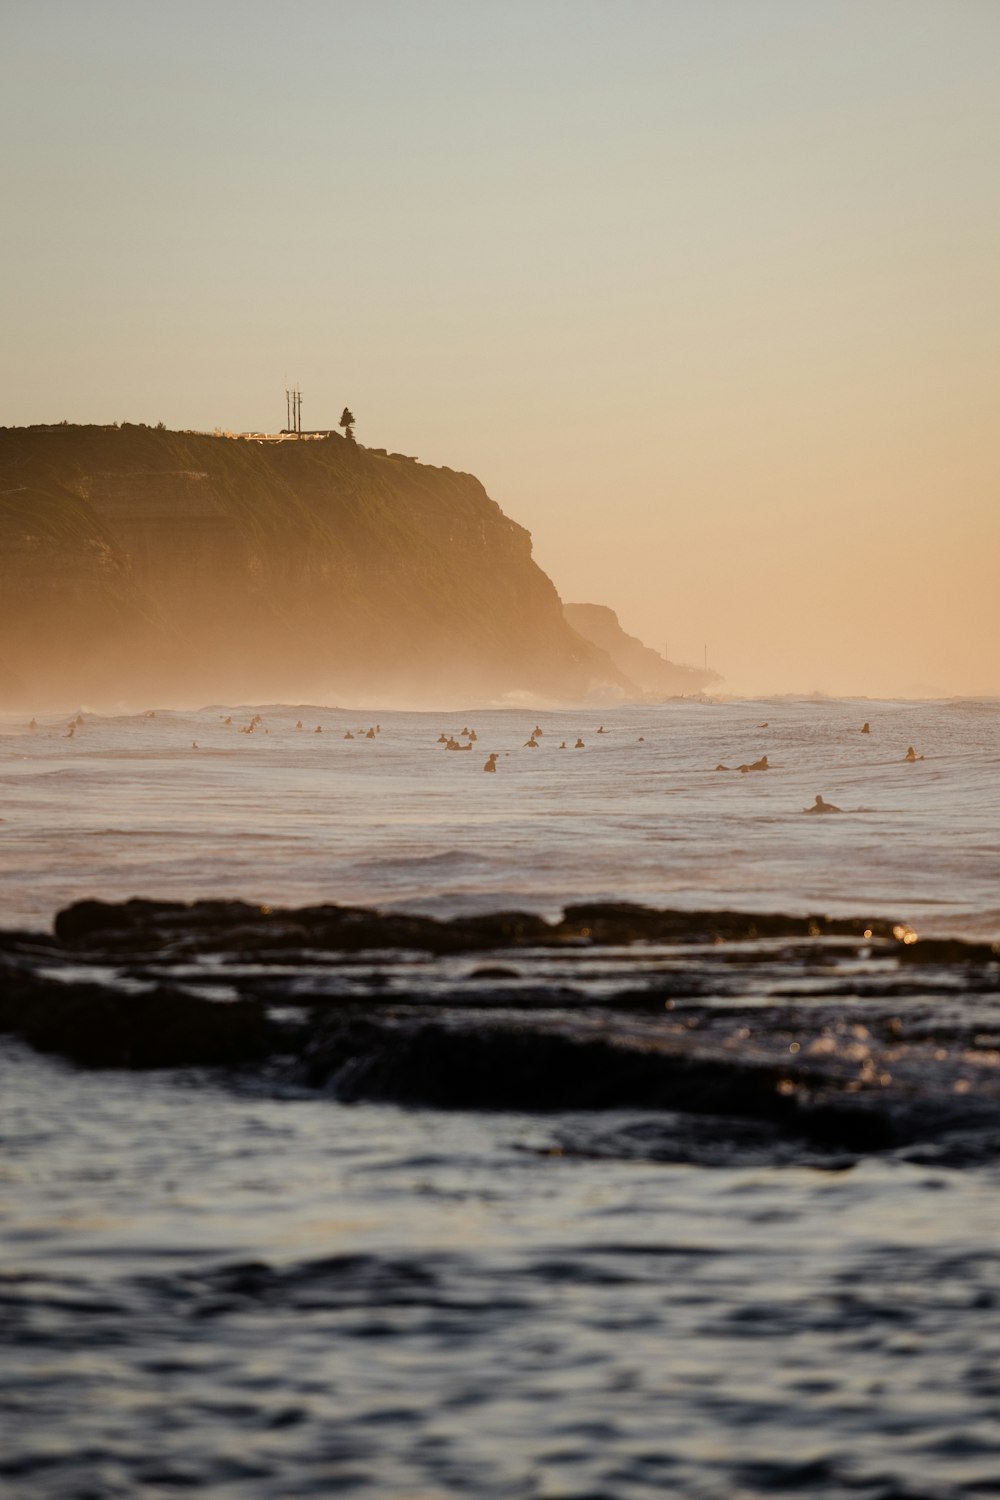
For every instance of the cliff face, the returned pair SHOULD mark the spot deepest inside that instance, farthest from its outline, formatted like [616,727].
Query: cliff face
[652,673]
[140,562]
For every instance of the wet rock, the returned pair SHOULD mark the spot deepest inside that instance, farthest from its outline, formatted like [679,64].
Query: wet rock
[215,926]
[139,926]
[948,951]
[539,1068]
[490,1066]
[725,1016]
[101,1027]
[625,922]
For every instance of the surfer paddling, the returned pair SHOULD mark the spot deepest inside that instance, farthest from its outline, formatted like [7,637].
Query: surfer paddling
[757,765]
[821,806]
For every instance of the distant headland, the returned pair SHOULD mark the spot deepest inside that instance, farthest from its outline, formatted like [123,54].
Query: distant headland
[137,562]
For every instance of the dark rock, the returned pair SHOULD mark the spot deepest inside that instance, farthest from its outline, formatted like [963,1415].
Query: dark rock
[100,1027]
[493,1066]
[762,1018]
[948,951]
[237,926]
[625,922]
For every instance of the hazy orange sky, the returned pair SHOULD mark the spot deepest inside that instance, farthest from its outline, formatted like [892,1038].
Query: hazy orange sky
[706,294]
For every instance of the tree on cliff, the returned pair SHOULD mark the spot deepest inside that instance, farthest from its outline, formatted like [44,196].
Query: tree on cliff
[347,423]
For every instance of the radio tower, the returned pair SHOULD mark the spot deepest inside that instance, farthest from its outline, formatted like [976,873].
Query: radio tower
[293,410]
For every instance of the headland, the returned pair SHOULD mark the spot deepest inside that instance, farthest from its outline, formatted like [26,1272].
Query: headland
[180,566]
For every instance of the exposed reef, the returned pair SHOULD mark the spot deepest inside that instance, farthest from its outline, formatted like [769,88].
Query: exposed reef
[135,560]
[802,1037]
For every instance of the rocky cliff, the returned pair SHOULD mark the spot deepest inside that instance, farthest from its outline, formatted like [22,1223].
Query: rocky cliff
[137,562]
[653,675]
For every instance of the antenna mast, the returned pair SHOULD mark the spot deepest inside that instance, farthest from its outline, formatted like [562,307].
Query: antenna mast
[293,410]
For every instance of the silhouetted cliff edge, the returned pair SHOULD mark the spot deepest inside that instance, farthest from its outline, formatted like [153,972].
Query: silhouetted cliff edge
[653,674]
[137,561]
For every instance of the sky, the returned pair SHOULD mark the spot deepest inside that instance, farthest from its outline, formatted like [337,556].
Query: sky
[705,292]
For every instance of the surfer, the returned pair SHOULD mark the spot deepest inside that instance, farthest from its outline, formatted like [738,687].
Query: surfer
[531,744]
[491,763]
[348,735]
[911,755]
[819,806]
[866,728]
[579,745]
[757,765]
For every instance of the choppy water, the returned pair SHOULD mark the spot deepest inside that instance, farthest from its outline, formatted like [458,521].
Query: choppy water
[213,1283]
[128,807]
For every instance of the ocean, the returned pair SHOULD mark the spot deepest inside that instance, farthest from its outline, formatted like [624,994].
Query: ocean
[127,807]
[279,1280]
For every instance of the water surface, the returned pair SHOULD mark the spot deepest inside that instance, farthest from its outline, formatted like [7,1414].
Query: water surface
[230,1284]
